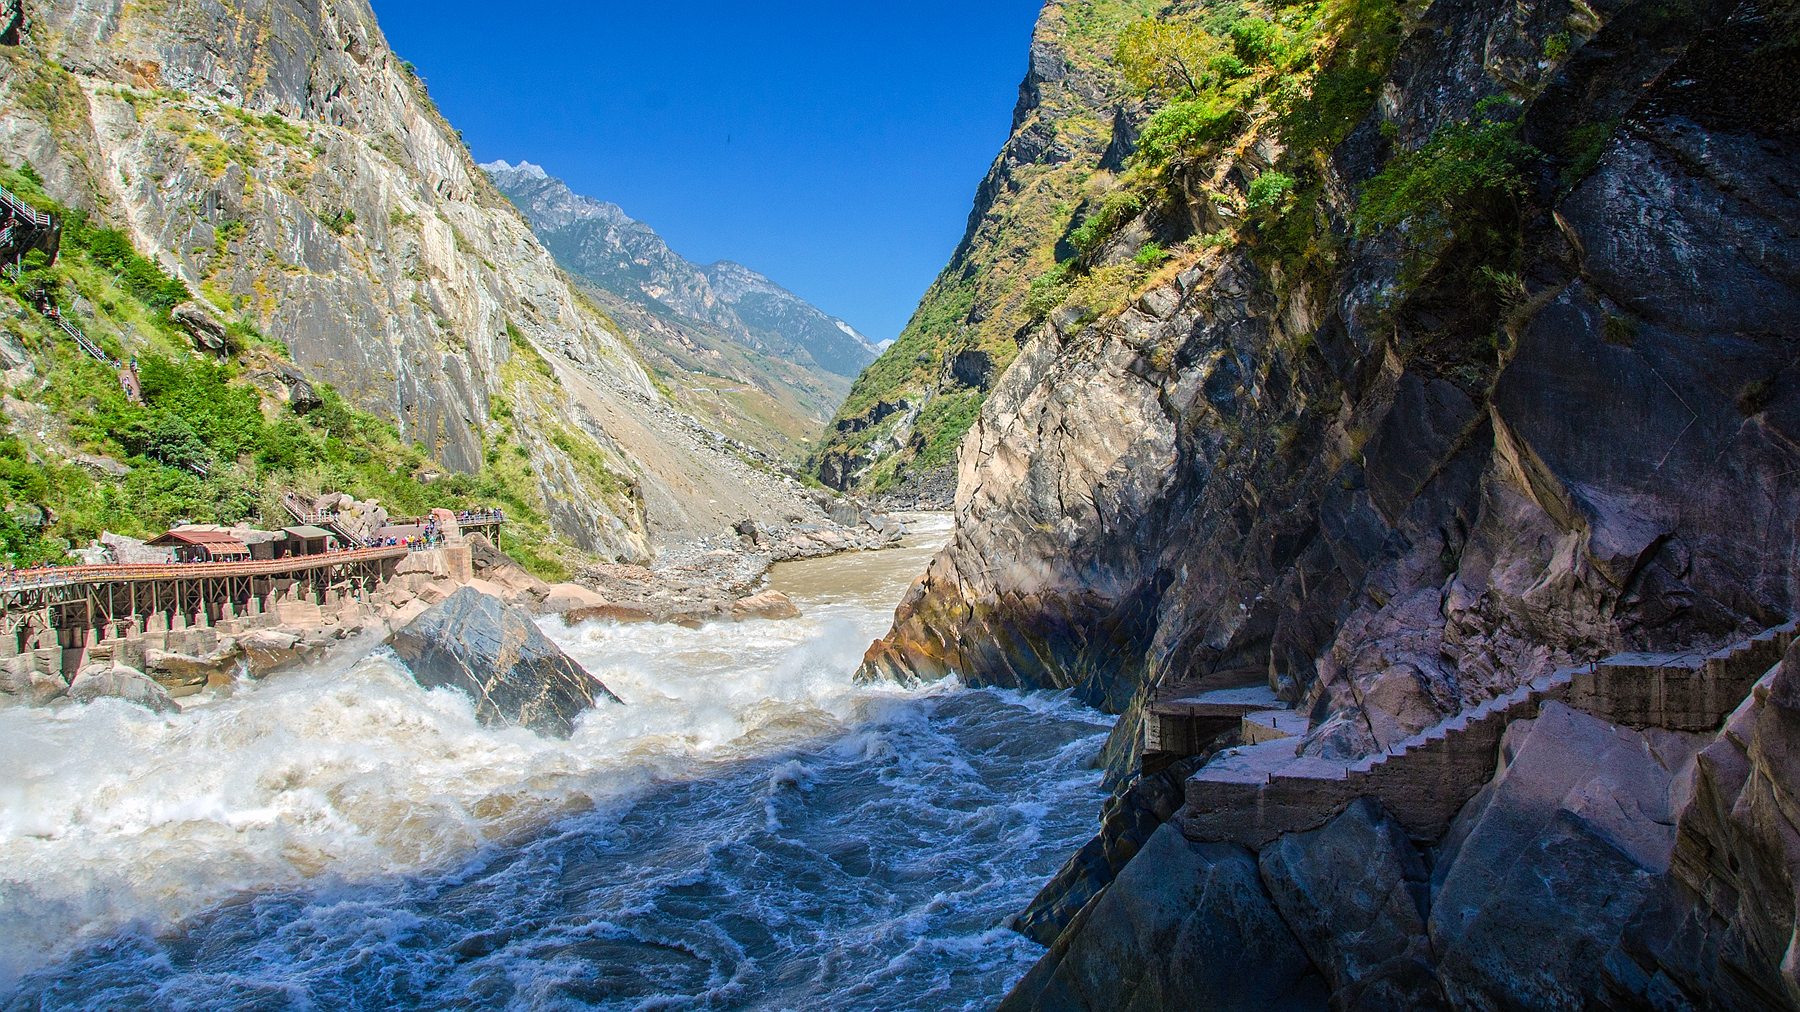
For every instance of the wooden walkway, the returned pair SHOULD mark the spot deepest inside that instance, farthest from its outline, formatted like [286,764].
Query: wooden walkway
[73,607]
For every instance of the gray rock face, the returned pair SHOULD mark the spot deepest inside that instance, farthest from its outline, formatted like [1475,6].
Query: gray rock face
[133,687]
[1356,892]
[1184,926]
[1719,930]
[1544,870]
[1390,535]
[495,654]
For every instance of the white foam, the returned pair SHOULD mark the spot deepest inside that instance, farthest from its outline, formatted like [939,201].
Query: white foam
[111,814]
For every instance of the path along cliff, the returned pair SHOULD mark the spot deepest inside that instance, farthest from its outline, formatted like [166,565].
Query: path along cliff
[1436,349]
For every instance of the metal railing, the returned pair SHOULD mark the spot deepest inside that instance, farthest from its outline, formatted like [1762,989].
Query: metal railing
[62,576]
[86,343]
[301,510]
[23,211]
[464,518]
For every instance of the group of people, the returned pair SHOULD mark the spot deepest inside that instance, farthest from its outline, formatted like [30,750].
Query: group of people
[429,537]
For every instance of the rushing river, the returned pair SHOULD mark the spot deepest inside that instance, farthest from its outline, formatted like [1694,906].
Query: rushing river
[752,831]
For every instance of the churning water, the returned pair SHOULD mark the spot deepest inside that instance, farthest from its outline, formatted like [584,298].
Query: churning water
[753,831]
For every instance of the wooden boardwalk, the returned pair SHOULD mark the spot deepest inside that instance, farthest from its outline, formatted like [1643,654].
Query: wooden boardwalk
[75,607]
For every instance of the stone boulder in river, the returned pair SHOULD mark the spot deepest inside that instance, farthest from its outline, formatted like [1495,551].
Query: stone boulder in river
[494,653]
[122,683]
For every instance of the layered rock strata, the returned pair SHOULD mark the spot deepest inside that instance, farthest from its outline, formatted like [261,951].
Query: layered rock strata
[1419,514]
[285,164]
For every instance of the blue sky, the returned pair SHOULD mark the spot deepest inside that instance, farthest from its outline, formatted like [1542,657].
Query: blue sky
[835,147]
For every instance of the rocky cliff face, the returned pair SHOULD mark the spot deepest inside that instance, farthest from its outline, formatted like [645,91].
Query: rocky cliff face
[1393,500]
[1392,491]
[787,365]
[285,163]
[1073,124]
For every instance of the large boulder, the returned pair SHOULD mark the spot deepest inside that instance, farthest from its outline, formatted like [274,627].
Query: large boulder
[122,683]
[1355,891]
[21,680]
[205,328]
[1184,926]
[563,597]
[771,604]
[475,643]
[1541,872]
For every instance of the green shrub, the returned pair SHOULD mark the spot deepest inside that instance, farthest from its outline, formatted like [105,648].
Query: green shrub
[1116,208]
[339,223]
[1268,190]
[1151,254]
[1048,290]
[1185,128]
[1462,186]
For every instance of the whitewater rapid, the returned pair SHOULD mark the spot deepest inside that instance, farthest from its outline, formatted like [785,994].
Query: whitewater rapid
[751,830]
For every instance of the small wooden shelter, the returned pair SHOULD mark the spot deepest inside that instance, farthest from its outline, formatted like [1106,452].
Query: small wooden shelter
[203,546]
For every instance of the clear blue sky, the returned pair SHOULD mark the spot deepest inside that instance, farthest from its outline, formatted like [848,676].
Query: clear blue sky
[835,147]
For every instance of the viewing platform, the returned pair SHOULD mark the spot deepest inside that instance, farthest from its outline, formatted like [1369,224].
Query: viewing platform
[74,608]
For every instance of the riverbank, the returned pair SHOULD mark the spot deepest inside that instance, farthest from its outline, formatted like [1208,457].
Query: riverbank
[691,583]
[750,814]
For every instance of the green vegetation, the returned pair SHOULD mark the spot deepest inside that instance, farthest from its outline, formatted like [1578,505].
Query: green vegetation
[214,438]
[943,421]
[1458,190]
[339,222]
[1582,148]
[1217,78]
[1268,190]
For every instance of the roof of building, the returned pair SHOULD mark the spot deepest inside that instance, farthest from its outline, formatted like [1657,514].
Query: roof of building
[243,532]
[308,532]
[215,541]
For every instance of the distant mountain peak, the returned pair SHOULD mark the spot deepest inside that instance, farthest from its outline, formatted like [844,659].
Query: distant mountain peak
[523,168]
[598,241]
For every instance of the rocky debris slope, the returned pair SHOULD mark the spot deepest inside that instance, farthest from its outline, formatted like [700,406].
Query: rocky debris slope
[495,655]
[293,172]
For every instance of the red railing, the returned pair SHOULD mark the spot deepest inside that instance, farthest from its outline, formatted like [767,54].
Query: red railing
[62,576]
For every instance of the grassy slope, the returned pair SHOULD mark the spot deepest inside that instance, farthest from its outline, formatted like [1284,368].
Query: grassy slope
[224,416]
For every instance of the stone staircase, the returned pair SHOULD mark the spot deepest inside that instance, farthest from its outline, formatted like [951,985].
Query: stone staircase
[1253,793]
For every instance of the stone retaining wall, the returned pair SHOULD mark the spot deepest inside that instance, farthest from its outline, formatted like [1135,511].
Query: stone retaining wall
[1253,794]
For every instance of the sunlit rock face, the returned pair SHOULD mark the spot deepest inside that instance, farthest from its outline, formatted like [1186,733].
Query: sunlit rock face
[292,170]
[1391,502]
